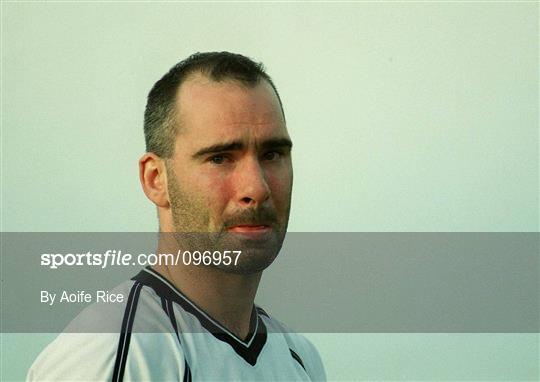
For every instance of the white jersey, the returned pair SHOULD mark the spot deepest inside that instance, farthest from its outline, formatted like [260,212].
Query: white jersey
[164,336]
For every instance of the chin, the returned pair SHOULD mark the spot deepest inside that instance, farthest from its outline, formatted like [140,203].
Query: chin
[251,261]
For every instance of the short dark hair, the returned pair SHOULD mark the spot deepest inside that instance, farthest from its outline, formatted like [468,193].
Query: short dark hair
[160,122]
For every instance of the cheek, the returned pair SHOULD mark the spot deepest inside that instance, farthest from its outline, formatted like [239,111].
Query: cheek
[280,187]
[216,189]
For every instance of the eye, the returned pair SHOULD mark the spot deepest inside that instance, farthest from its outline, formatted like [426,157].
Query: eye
[218,159]
[272,155]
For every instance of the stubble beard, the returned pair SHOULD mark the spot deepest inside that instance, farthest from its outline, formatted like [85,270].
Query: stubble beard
[191,219]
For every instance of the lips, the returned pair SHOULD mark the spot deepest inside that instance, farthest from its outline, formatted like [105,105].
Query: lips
[251,232]
[250,228]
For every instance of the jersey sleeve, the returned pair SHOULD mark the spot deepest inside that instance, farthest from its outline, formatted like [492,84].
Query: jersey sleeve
[76,357]
[148,350]
[92,357]
[300,345]
[312,360]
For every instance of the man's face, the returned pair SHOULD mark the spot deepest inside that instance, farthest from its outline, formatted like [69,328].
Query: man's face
[231,174]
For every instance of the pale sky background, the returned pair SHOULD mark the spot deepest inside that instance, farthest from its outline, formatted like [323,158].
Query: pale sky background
[405,117]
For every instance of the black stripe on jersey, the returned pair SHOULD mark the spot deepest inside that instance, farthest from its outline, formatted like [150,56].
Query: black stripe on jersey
[125,333]
[249,350]
[164,305]
[261,311]
[168,308]
[187,372]
[297,358]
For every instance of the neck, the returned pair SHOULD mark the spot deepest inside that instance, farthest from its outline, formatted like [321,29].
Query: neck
[226,297]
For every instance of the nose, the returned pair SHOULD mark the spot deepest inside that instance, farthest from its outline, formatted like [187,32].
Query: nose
[251,184]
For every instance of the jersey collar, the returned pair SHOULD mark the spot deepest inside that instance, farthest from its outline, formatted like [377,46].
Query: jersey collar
[248,349]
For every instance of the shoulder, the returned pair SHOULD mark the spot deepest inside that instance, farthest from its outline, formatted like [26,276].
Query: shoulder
[301,348]
[95,357]
[76,356]
[308,353]
[140,309]
[133,331]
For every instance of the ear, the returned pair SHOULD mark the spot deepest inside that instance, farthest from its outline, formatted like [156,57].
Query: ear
[153,177]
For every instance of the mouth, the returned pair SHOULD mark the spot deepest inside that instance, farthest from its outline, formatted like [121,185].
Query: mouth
[251,230]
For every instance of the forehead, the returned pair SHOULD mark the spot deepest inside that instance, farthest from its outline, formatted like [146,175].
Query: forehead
[227,110]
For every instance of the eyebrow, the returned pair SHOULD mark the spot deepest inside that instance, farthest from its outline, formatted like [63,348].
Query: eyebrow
[273,143]
[276,143]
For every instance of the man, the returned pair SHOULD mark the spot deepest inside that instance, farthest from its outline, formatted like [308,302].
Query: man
[218,168]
